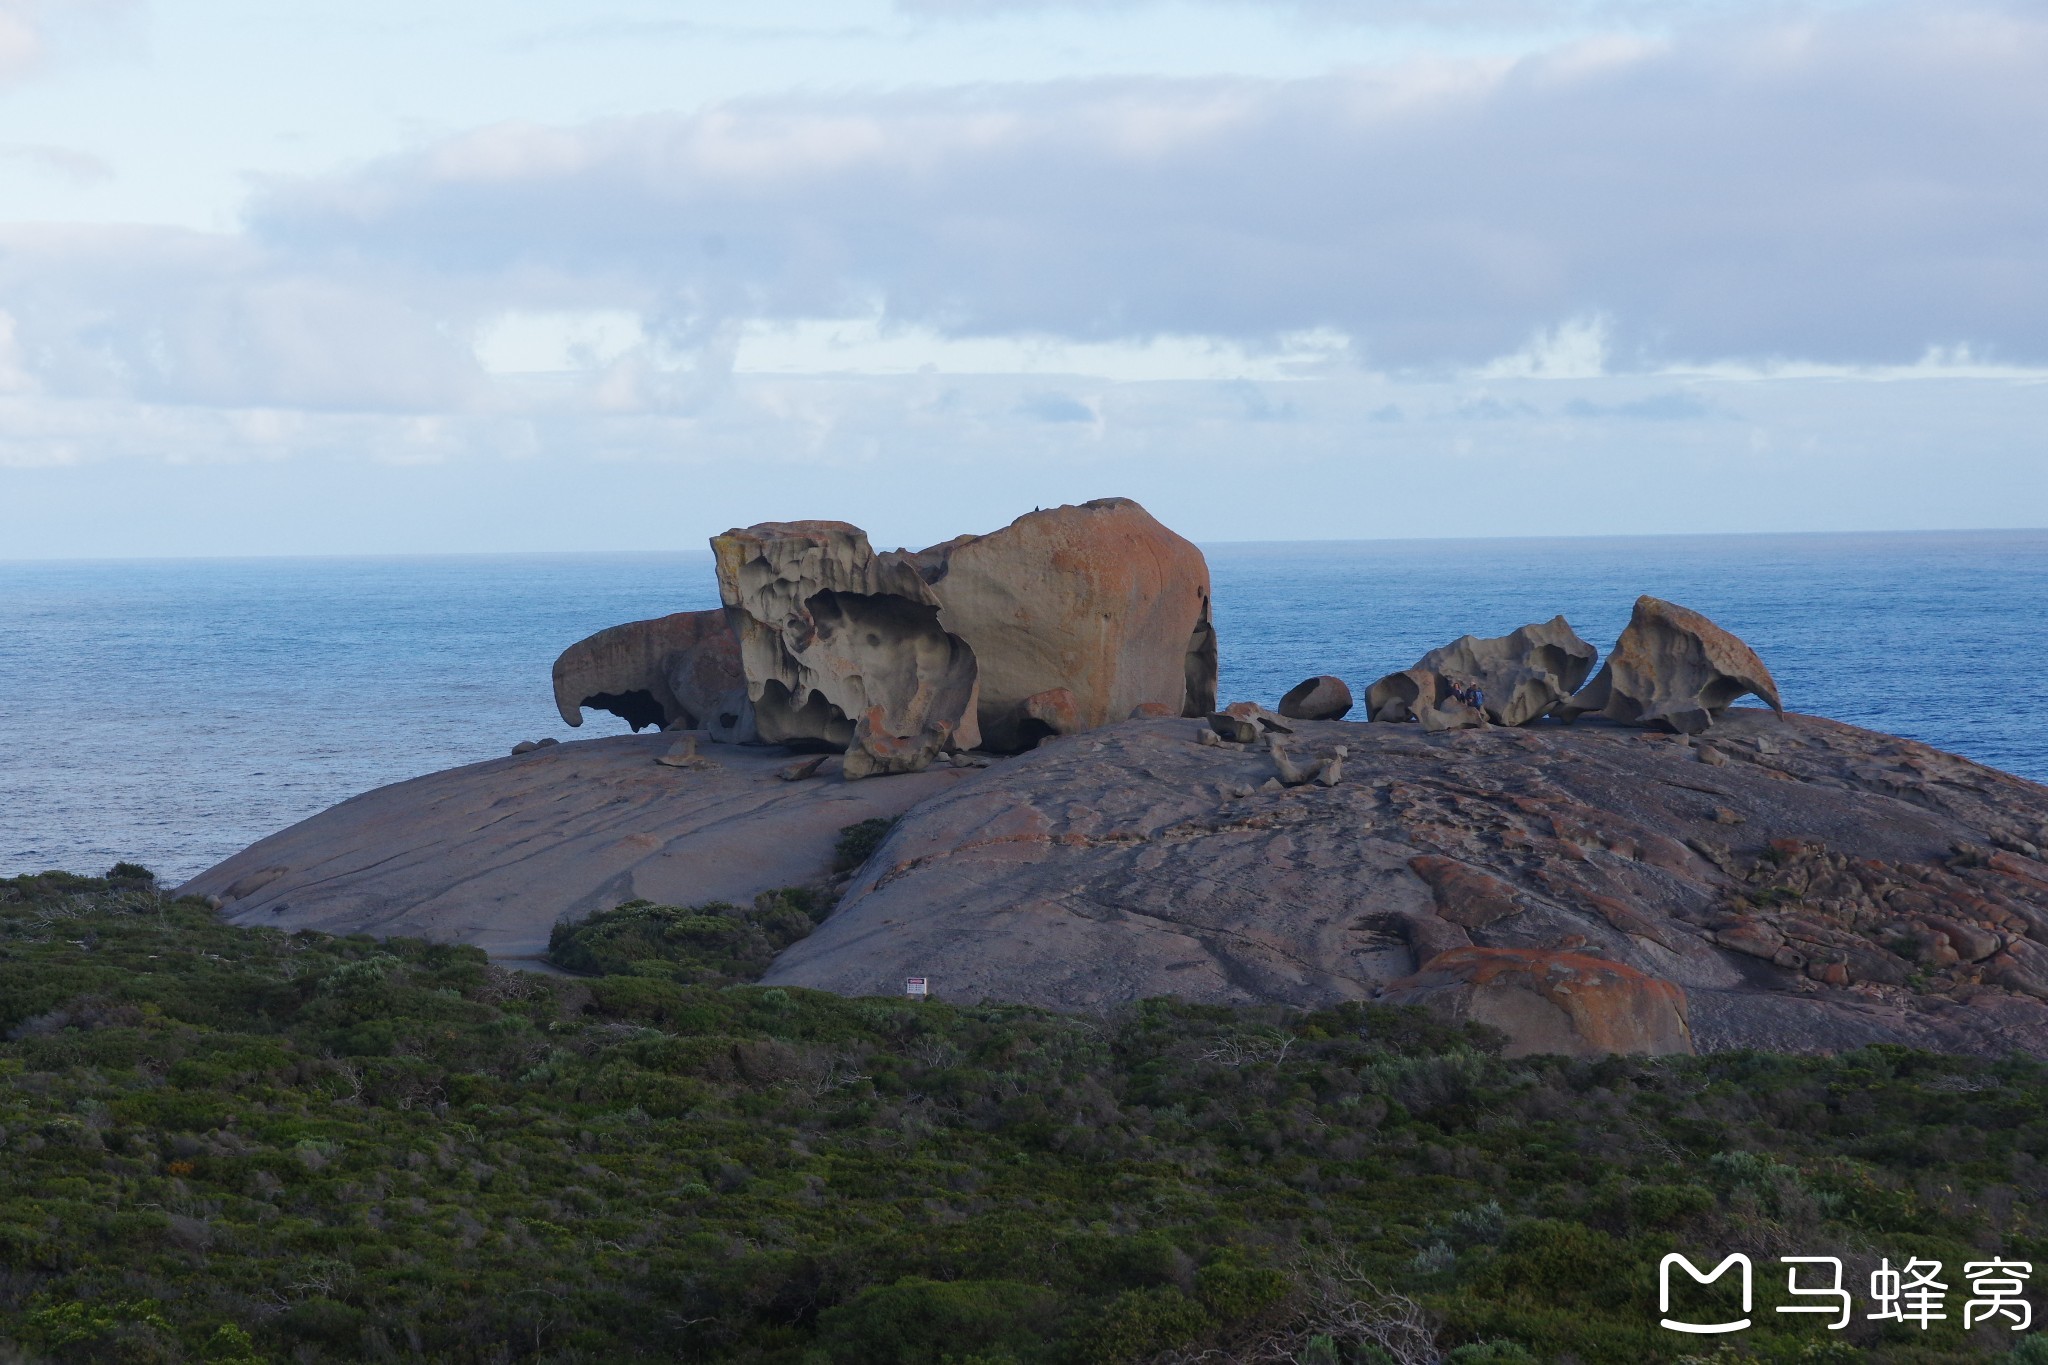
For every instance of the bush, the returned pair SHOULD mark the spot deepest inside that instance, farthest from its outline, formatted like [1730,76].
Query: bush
[708,945]
[923,1322]
[857,843]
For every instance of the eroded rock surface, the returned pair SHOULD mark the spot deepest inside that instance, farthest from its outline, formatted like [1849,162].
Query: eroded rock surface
[1820,888]
[682,670]
[843,647]
[494,853]
[1523,675]
[1673,667]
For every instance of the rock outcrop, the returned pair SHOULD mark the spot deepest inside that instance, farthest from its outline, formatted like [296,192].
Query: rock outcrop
[681,670]
[842,647]
[1675,668]
[1099,601]
[1320,698]
[1523,675]
[1552,1002]
[1066,619]
[492,854]
[1820,888]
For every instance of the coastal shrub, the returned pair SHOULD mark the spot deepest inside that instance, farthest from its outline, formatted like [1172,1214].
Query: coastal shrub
[857,842]
[707,945]
[238,1144]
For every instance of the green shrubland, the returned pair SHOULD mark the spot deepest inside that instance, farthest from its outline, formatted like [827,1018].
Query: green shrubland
[226,1144]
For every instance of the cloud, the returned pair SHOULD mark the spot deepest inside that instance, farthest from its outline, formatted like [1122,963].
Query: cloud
[66,163]
[1853,189]
[1056,407]
[1673,406]
[173,316]
[32,30]
[1493,14]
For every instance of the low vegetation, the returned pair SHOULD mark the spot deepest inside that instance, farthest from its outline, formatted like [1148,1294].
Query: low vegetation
[226,1144]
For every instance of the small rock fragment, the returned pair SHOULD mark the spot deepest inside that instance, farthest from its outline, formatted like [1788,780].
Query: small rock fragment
[1271,784]
[1152,710]
[1243,722]
[1208,738]
[802,768]
[524,746]
[1333,769]
[1710,756]
[684,755]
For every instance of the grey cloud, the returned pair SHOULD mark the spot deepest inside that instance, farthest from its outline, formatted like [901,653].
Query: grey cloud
[1856,188]
[1055,407]
[173,316]
[1674,406]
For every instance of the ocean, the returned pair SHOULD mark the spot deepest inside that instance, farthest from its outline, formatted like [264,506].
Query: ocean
[171,712]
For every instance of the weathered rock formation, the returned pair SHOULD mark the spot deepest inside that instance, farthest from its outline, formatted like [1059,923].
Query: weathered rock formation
[1422,694]
[1673,667]
[1320,698]
[843,647]
[1819,888]
[1099,601]
[1523,675]
[680,670]
[1064,620]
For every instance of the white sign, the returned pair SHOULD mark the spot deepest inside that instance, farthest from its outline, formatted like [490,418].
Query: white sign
[917,986]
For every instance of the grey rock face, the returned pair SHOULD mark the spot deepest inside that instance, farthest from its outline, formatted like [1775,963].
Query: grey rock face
[1790,898]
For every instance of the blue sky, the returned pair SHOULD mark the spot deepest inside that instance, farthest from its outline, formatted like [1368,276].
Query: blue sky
[381,277]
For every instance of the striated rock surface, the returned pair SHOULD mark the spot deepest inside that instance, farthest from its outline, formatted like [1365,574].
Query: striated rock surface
[1673,667]
[1552,1002]
[843,647]
[494,853]
[1097,600]
[679,670]
[1819,888]
[1524,675]
[1320,698]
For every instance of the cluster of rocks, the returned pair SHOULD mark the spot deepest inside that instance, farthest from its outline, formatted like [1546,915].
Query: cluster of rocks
[1672,668]
[1065,620]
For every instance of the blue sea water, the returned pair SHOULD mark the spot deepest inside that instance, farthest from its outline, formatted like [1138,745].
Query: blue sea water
[172,712]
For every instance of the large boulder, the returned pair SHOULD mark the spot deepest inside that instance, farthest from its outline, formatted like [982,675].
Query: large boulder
[1523,675]
[1674,668]
[1319,698]
[1552,1002]
[679,670]
[1098,600]
[843,648]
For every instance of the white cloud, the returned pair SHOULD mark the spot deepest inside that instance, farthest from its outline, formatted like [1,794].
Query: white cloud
[1850,190]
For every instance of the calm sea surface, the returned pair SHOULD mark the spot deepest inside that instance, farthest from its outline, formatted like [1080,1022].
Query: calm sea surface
[172,712]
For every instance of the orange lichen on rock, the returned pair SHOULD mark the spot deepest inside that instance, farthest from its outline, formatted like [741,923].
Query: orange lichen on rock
[1552,1002]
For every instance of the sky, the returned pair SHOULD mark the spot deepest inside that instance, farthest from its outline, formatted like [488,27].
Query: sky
[382,277]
